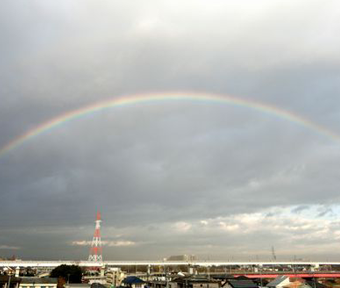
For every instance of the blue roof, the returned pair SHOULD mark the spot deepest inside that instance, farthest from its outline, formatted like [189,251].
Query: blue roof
[133,280]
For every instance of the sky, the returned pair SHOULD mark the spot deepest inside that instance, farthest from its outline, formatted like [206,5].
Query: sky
[213,179]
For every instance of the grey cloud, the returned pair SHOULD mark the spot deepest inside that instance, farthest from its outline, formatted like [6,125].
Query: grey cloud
[162,163]
[299,209]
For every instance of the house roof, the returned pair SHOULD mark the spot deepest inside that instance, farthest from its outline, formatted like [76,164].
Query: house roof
[242,283]
[133,280]
[278,280]
[260,281]
[315,284]
[222,276]
[77,285]
[97,285]
[31,280]
[242,277]
[4,279]
[193,279]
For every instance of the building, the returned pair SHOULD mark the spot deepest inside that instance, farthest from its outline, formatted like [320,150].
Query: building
[194,282]
[133,282]
[97,285]
[314,284]
[114,277]
[9,281]
[240,283]
[280,281]
[288,282]
[77,285]
[35,282]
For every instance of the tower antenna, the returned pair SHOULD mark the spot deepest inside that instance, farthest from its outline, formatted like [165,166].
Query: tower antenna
[96,251]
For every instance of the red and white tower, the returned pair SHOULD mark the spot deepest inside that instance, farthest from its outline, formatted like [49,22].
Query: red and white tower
[96,251]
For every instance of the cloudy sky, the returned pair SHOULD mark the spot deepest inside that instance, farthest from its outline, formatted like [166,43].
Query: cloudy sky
[170,177]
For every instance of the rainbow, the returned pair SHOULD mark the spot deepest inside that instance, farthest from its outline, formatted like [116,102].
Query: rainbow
[163,97]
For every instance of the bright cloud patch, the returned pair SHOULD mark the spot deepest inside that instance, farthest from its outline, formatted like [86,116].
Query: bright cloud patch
[120,243]
[311,222]
[182,226]
[293,230]
[8,247]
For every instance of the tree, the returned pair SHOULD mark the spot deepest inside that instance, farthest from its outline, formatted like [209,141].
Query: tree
[70,273]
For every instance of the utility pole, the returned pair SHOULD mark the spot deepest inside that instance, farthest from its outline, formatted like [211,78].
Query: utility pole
[9,281]
[273,254]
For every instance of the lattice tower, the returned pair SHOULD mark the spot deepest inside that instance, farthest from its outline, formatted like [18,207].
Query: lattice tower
[96,251]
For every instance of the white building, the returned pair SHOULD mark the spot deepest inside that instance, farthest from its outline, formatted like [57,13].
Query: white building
[114,277]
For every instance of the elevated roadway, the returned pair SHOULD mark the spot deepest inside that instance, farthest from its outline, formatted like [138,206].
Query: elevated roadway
[21,263]
[299,275]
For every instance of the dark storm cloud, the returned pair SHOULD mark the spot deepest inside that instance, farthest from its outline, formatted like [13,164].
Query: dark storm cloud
[170,167]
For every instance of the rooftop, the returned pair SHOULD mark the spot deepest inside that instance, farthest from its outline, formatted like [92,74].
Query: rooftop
[31,280]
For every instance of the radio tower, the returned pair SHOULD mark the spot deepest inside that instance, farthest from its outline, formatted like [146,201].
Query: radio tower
[96,251]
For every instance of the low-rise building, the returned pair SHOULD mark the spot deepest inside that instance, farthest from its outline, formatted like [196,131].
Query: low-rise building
[133,282]
[315,284]
[188,282]
[278,282]
[114,277]
[9,281]
[77,285]
[36,282]
[287,282]
[240,283]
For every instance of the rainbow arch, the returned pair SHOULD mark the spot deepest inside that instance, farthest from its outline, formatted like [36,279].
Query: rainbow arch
[163,97]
